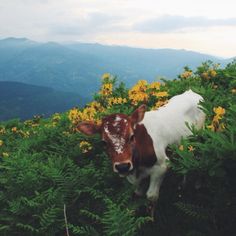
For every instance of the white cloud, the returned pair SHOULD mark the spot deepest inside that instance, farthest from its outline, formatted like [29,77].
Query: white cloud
[170,23]
[90,24]
[149,23]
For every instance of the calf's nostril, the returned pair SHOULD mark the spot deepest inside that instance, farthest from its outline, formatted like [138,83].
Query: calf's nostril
[123,167]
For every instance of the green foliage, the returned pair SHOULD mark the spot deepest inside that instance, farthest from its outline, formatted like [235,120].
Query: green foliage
[48,179]
[24,100]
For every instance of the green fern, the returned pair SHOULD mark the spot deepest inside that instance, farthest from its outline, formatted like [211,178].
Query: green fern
[121,221]
[194,211]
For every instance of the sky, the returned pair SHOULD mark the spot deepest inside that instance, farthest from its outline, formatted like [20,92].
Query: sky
[207,26]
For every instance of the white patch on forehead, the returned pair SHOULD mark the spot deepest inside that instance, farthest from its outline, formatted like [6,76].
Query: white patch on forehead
[116,121]
[118,118]
[117,141]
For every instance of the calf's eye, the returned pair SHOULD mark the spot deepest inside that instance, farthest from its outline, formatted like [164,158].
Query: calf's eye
[104,143]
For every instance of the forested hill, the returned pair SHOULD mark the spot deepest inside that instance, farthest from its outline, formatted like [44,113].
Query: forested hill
[55,180]
[77,67]
[19,100]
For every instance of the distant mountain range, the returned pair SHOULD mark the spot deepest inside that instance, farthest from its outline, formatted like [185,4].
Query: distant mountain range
[52,77]
[19,100]
[77,67]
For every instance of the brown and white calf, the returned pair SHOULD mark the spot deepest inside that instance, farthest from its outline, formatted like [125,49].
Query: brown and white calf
[137,143]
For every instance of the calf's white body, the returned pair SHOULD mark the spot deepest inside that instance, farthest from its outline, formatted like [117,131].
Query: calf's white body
[168,125]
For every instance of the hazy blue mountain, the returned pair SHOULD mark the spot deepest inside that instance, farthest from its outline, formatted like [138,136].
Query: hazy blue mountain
[19,100]
[76,67]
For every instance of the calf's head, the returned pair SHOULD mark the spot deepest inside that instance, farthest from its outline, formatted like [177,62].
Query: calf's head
[117,133]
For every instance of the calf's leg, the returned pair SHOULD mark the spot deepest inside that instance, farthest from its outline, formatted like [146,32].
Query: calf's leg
[157,173]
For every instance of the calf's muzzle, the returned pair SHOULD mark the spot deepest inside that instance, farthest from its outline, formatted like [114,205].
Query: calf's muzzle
[123,168]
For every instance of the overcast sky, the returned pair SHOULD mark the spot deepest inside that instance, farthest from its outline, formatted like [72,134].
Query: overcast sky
[207,26]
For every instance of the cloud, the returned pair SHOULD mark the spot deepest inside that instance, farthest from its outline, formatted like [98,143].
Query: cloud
[169,23]
[94,22]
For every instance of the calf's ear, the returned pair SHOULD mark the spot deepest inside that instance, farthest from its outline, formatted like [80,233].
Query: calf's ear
[138,114]
[88,128]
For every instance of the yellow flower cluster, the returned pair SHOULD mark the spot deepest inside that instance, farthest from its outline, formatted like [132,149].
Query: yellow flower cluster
[24,134]
[76,116]
[159,104]
[106,89]
[56,117]
[73,115]
[211,73]
[216,125]
[85,146]
[106,76]
[114,100]
[186,74]
[142,90]
[87,114]
[155,85]
[161,94]
[1,143]
[2,130]
[97,106]
[219,111]
[138,92]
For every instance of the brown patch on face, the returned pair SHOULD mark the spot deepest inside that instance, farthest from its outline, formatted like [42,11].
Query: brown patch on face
[144,147]
[116,130]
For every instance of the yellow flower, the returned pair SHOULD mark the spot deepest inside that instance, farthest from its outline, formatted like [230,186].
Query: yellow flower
[1,143]
[106,89]
[2,131]
[212,73]
[85,146]
[118,100]
[56,117]
[220,111]
[160,103]
[215,124]
[138,97]
[97,106]
[211,127]
[205,75]
[5,154]
[106,76]
[138,92]
[191,148]
[233,90]
[155,85]
[186,74]
[222,127]
[25,134]
[87,114]
[162,94]
[14,129]
[73,114]
[181,147]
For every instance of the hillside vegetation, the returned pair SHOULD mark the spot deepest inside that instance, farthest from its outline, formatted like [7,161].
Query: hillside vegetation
[53,179]
[19,100]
